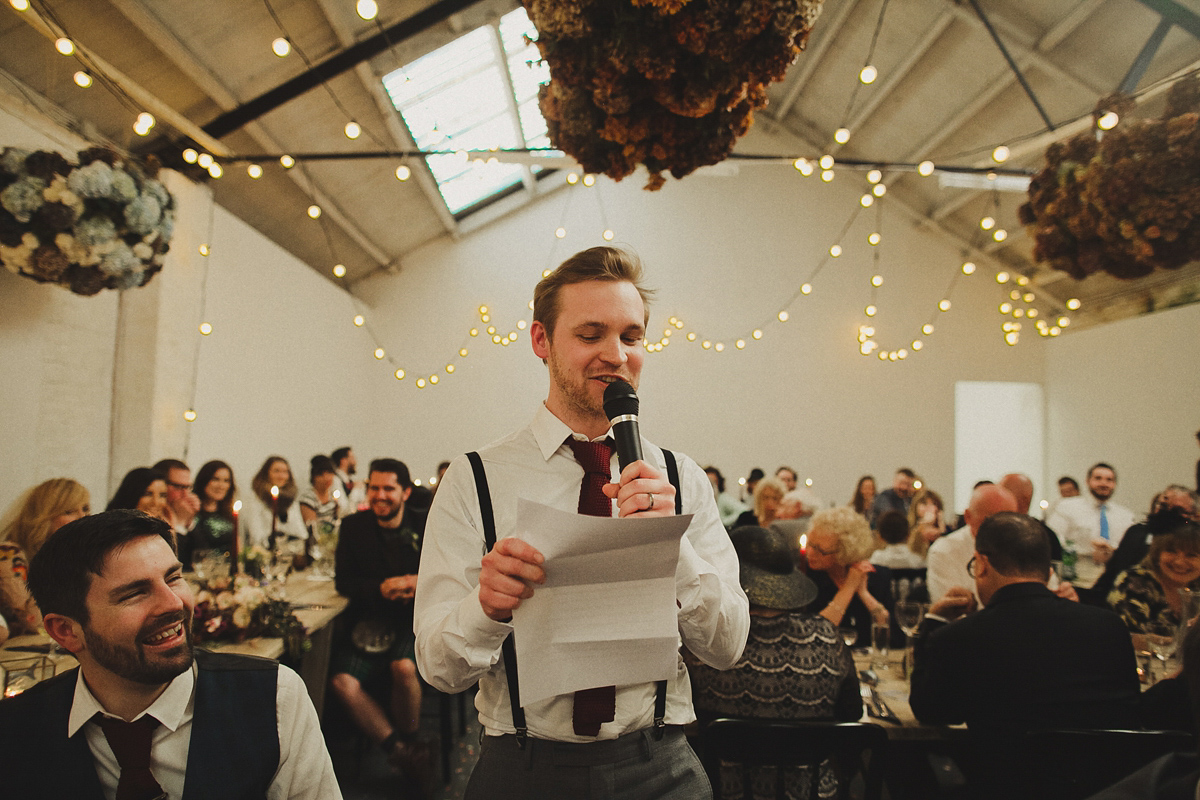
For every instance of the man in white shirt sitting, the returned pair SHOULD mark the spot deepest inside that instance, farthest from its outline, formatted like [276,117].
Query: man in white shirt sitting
[1093,523]
[947,559]
[144,716]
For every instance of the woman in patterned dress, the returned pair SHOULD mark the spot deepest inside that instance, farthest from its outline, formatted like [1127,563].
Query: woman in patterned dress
[1146,596]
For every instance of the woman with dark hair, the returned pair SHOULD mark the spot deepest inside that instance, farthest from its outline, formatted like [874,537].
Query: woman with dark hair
[319,501]
[142,488]
[214,521]
[926,521]
[1146,595]
[864,495]
[270,512]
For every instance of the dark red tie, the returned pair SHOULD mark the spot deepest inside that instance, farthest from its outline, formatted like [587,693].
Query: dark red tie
[130,743]
[599,705]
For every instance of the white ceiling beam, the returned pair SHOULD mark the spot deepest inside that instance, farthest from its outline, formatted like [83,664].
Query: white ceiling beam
[399,134]
[813,57]
[145,20]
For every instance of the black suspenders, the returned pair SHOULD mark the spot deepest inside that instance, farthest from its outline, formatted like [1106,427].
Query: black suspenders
[487,517]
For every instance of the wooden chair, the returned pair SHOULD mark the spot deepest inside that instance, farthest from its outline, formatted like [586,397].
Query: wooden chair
[1075,764]
[852,748]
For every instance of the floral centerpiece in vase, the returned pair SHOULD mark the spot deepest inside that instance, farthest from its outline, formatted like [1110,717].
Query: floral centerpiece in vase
[241,609]
[105,223]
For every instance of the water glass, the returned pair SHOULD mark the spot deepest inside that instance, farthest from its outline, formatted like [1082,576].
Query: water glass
[880,639]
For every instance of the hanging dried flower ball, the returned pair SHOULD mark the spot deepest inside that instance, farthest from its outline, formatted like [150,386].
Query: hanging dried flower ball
[1125,202]
[104,224]
[671,84]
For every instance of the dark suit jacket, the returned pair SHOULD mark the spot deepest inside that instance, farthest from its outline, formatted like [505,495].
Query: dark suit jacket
[1028,659]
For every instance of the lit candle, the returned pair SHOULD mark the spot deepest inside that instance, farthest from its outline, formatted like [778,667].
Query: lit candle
[237,542]
[274,513]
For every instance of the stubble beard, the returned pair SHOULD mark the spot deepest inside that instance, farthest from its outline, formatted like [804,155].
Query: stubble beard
[131,663]
[575,392]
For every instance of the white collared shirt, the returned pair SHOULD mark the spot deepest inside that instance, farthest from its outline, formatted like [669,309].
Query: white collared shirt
[1077,520]
[458,644]
[305,771]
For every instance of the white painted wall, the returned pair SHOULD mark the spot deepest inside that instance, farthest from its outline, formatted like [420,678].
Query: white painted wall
[1127,393]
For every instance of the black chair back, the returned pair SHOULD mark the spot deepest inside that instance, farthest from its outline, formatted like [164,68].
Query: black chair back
[1075,764]
[909,585]
[851,748]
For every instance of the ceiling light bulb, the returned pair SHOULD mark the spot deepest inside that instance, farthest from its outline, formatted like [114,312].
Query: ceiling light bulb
[1001,154]
[1015,294]
[867,200]
[874,176]
[607,235]
[1028,297]
[1031,313]
[190,156]
[143,124]
[403,173]
[1018,312]
[868,74]
[719,347]
[1011,337]
[1022,280]
[803,166]
[19,5]
[987,223]
[783,316]
[877,280]
[64,45]
[190,415]
[835,250]
[204,160]
[449,369]
[757,334]
[287,162]
[572,178]
[925,169]
[339,270]
[560,233]
[968,268]
[314,211]
[827,175]
[944,305]
[999,234]
[841,135]
[367,9]
[281,47]
[358,320]
[399,374]
[255,171]
[82,79]
[874,239]
[203,250]
[1108,121]
[826,161]
[870,311]
[917,344]
[1002,277]
[214,170]
[879,190]
[806,288]
[420,383]
[205,328]
[927,328]
[1005,308]
[893,356]
[353,130]
[706,344]
[1074,304]
[379,354]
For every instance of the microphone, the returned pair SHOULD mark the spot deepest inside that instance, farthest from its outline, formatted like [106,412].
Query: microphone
[621,407]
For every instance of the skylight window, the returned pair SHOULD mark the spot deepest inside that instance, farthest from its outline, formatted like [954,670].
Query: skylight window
[477,93]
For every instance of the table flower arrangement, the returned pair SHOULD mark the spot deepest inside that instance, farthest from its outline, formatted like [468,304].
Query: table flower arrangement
[105,223]
[241,609]
[1126,201]
[671,84]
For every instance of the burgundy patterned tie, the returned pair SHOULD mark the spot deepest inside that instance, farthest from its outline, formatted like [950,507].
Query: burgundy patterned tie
[130,743]
[599,705]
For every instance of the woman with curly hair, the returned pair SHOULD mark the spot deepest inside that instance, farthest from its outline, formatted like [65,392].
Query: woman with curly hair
[266,516]
[850,592]
[35,515]
[1146,596]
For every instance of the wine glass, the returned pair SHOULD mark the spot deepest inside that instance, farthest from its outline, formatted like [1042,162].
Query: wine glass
[908,616]
[1160,639]
[849,635]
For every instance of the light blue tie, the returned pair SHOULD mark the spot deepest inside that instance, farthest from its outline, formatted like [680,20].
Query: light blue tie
[1104,521]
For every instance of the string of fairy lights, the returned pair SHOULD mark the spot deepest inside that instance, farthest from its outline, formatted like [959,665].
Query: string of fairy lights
[1015,309]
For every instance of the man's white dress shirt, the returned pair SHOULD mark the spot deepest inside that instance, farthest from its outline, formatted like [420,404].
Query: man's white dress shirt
[305,770]
[458,644]
[946,564]
[1077,520]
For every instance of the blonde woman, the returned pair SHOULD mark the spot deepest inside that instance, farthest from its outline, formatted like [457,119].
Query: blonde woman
[767,495]
[35,515]
[850,592]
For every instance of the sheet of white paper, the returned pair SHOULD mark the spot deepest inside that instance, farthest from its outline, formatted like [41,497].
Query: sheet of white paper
[606,614]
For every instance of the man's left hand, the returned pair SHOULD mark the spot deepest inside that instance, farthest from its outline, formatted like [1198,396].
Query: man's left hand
[399,587]
[1101,551]
[643,490]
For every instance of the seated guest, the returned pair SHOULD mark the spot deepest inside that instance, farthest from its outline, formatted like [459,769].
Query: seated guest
[214,521]
[864,495]
[35,515]
[897,498]
[794,666]
[850,592]
[751,483]
[948,556]
[728,507]
[1146,595]
[317,501]
[268,519]
[144,489]
[1171,508]
[767,495]
[207,725]
[897,551]
[1029,658]
[182,502]
[926,521]
[794,515]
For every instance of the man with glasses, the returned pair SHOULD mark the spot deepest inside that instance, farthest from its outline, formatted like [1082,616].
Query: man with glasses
[1028,659]
[182,503]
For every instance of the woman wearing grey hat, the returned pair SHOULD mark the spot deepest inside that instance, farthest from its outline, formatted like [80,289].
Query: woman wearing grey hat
[794,666]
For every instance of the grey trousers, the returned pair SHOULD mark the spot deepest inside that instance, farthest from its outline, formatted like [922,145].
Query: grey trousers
[635,766]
